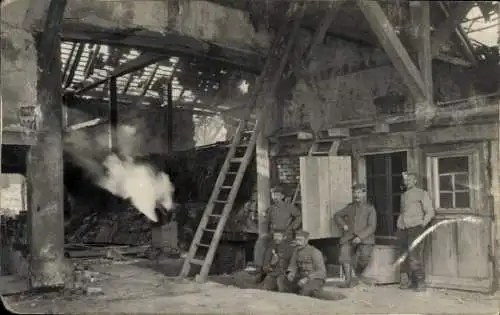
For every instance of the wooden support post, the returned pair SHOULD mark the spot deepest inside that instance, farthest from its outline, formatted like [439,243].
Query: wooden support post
[448,26]
[170,119]
[263,179]
[45,162]
[113,114]
[393,47]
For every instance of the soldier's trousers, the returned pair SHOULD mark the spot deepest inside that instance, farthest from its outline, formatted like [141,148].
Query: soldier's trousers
[414,262]
[275,282]
[358,256]
[260,249]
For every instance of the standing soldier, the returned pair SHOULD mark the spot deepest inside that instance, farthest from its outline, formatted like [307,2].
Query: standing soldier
[416,212]
[306,273]
[281,215]
[358,220]
[276,261]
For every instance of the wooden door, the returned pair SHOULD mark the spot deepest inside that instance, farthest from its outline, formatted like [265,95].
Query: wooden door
[459,255]
[325,184]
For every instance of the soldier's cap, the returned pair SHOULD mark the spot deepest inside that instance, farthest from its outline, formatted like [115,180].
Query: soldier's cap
[304,234]
[277,188]
[360,186]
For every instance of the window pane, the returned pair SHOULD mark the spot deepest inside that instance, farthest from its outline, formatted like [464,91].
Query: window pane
[446,200]
[375,164]
[380,204]
[396,204]
[462,200]
[453,164]
[398,162]
[397,183]
[462,182]
[383,226]
[445,183]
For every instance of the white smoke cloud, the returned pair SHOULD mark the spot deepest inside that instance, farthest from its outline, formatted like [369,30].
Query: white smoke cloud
[145,187]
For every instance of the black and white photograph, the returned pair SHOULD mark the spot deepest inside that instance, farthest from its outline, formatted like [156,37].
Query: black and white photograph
[250,156]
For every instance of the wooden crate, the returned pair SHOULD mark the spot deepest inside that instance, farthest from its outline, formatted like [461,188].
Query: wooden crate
[380,268]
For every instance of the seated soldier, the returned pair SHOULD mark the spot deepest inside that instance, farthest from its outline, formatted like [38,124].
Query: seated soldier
[358,220]
[276,261]
[306,272]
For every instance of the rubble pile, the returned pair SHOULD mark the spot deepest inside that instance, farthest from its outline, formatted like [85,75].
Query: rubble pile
[98,217]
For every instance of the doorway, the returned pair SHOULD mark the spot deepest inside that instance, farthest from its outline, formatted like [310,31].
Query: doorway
[384,189]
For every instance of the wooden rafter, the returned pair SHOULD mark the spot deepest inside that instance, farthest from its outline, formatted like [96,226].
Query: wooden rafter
[91,61]
[448,26]
[69,78]
[168,43]
[68,61]
[393,47]
[140,62]
[466,47]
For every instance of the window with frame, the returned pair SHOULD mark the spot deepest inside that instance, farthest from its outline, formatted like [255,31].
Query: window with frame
[454,182]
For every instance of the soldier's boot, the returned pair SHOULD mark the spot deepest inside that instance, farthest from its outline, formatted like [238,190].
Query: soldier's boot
[405,281]
[350,280]
[420,285]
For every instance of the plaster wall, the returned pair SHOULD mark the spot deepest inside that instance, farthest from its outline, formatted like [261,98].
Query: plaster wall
[349,78]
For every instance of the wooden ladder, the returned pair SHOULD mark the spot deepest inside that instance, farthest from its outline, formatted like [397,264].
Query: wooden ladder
[213,221]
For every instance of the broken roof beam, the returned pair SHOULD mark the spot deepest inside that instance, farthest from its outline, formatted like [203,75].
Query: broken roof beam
[166,43]
[466,46]
[142,61]
[450,24]
[68,79]
[393,47]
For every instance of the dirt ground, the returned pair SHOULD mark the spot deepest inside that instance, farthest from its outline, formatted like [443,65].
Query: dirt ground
[142,286]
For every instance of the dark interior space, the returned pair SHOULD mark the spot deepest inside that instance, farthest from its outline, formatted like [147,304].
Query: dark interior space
[384,188]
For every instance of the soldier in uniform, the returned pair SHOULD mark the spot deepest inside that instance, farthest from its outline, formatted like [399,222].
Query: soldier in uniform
[416,213]
[281,215]
[276,261]
[358,220]
[306,272]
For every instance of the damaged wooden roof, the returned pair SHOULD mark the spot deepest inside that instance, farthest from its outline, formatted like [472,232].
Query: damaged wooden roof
[195,84]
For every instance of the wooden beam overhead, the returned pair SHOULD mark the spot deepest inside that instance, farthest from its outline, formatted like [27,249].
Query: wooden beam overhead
[69,78]
[142,61]
[448,26]
[393,47]
[422,19]
[465,45]
[165,43]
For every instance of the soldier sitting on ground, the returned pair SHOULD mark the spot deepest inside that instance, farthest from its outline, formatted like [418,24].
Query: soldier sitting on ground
[276,261]
[306,273]
[358,220]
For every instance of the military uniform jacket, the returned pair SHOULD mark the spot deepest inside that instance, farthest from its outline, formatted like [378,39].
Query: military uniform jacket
[283,216]
[416,208]
[307,262]
[361,219]
[277,257]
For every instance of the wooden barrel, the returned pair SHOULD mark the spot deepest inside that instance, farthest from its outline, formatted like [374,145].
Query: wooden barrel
[380,269]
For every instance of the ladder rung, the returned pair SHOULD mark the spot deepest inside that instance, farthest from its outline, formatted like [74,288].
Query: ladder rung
[209,230]
[197,261]
[216,215]
[226,187]
[220,201]
[324,140]
[203,245]
[242,145]
[232,173]
[236,160]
